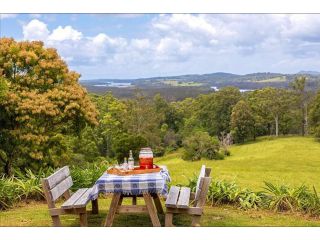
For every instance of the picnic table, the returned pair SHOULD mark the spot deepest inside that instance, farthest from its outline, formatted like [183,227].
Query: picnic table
[148,186]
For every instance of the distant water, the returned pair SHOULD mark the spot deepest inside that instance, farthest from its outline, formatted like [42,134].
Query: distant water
[114,84]
[241,90]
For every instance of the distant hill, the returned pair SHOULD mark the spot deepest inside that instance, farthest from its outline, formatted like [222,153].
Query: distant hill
[195,84]
[314,73]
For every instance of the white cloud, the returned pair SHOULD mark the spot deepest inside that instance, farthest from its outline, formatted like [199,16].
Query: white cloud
[188,43]
[35,30]
[65,33]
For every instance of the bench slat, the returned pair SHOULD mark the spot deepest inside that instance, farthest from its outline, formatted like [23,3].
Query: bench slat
[173,196]
[201,175]
[184,198]
[57,177]
[61,188]
[83,200]
[71,201]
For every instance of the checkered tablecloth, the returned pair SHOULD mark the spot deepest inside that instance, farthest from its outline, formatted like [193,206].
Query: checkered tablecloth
[132,184]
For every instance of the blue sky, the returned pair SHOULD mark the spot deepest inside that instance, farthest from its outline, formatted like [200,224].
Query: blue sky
[148,45]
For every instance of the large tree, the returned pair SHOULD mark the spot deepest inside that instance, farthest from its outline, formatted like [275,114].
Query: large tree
[215,109]
[303,100]
[242,122]
[43,101]
[269,106]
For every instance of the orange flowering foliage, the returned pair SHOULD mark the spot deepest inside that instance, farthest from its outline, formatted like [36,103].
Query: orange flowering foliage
[43,98]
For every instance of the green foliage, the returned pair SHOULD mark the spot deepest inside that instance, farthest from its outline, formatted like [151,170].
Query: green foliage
[242,122]
[277,198]
[201,145]
[86,175]
[125,143]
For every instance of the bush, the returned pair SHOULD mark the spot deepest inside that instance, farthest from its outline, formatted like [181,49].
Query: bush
[87,175]
[277,198]
[9,194]
[201,145]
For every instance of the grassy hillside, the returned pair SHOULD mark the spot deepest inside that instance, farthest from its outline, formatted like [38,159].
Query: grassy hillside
[289,160]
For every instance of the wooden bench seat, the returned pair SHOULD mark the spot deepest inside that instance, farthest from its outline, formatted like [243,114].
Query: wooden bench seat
[178,199]
[78,200]
[58,185]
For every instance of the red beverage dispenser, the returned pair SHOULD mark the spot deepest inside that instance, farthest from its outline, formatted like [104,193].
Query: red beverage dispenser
[146,158]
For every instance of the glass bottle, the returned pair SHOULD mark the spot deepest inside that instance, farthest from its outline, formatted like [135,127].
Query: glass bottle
[130,161]
[125,164]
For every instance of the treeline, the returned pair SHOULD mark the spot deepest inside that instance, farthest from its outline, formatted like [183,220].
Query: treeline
[48,120]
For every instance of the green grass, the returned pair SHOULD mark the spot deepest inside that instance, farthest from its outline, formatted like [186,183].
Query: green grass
[176,83]
[271,80]
[287,160]
[36,214]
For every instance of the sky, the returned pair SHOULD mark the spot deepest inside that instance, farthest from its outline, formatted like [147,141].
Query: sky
[124,46]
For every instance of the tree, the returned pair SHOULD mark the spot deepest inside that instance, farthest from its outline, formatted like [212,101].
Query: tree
[303,99]
[315,115]
[269,105]
[242,122]
[143,120]
[44,99]
[201,145]
[215,109]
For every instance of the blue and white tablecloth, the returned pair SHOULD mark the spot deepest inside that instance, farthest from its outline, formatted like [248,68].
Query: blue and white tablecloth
[132,184]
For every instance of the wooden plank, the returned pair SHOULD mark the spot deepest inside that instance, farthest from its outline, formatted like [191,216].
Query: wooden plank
[190,210]
[184,198]
[132,209]
[112,209]
[207,172]
[47,194]
[152,210]
[203,192]
[57,177]
[63,186]
[202,174]
[83,219]
[71,201]
[168,220]
[157,203]
[83,199]
[172,197]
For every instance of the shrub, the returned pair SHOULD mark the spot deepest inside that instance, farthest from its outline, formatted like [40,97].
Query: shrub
[87,175]
[284,198]
[9,194]
[201,145]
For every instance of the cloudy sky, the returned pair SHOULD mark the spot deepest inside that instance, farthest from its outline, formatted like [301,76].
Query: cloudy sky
[134,46]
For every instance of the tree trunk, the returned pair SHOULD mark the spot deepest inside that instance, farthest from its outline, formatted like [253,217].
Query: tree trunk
[276,119]
[302,122]
[305,117]
[8,168]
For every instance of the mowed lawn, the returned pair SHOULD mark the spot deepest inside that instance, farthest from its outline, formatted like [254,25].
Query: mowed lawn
[290,160]
[285,160]
[36,214]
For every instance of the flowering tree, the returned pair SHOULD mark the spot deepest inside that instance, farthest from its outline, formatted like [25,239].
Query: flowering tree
[43,102]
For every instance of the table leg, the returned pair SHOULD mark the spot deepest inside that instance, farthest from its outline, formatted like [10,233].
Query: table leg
[152,210]
[134,200]
[112,210]
[95,206]
[157,202]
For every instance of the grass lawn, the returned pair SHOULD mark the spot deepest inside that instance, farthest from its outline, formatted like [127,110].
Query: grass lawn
[290,160]
[287,160]
[36,214]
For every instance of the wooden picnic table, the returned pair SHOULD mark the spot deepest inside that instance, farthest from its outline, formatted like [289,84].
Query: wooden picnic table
[148,186]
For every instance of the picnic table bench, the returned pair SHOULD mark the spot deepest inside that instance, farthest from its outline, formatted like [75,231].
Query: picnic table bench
[178,200]
[58,185]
